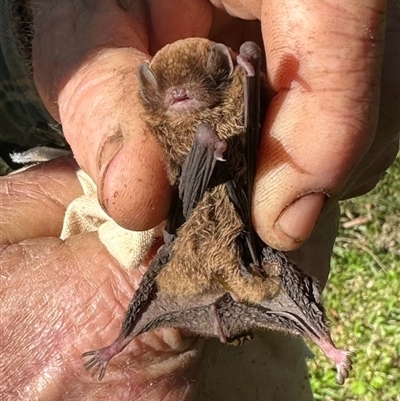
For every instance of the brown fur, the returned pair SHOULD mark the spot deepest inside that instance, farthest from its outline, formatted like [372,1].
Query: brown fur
[205,257]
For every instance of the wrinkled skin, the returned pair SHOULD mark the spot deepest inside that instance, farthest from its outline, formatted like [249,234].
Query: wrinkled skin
[324,133]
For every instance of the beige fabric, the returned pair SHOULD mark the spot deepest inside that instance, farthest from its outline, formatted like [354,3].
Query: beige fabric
[38,155]
[85,214]
[35,156]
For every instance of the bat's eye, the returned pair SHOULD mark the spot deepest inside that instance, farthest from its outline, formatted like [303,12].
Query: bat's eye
[180,94]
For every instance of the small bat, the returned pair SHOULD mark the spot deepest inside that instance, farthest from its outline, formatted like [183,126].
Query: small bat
[214,276]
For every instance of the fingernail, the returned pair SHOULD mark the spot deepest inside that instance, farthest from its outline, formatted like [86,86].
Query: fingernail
[107,151]
[298,219]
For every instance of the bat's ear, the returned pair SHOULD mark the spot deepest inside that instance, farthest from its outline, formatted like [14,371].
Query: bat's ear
[147,82]
[220,62]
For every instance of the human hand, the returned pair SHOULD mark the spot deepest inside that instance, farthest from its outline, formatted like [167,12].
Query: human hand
[332,129]
[58,296]
[61,298]
[91,68]
[324,62]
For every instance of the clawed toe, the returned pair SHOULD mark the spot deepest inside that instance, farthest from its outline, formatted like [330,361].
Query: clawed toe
[343,367]
[95,363]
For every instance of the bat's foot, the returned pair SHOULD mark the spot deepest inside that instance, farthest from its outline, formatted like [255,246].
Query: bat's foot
[238,341]
[251,271]
[100,358]
[343,364]
[245,271]
[341,358]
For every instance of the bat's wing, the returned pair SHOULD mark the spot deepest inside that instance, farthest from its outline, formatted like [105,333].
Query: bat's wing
[241,194]
[199,166]
[250,61]
[137,307]
[197,169]
[296,309]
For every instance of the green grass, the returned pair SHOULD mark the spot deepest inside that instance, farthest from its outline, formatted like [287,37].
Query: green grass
[363,298]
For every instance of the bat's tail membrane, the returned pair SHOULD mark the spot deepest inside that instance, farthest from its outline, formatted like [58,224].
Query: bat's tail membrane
[299,310]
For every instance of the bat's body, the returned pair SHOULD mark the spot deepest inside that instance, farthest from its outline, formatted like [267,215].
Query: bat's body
[214,266]
[194,87]
[214,276]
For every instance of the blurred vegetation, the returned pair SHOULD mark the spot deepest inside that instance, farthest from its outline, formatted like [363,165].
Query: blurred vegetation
[362,297]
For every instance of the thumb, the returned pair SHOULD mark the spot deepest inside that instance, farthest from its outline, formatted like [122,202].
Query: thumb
[101,120]
[91,87]
[322,120]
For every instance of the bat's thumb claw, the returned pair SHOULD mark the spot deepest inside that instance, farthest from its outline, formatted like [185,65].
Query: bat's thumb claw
[250,49]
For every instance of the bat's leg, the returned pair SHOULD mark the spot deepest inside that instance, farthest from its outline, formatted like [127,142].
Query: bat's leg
[140,302]
[146,290]
[341,358]
[205,316]
[296,324]
[102,356]
[199,315]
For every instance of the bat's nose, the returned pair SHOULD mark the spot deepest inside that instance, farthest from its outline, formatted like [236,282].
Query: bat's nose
[180,94]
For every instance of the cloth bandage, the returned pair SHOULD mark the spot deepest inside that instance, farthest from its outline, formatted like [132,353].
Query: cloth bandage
[85,214]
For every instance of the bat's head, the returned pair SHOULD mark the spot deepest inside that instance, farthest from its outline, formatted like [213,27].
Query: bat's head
[188,83]
[185,78]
